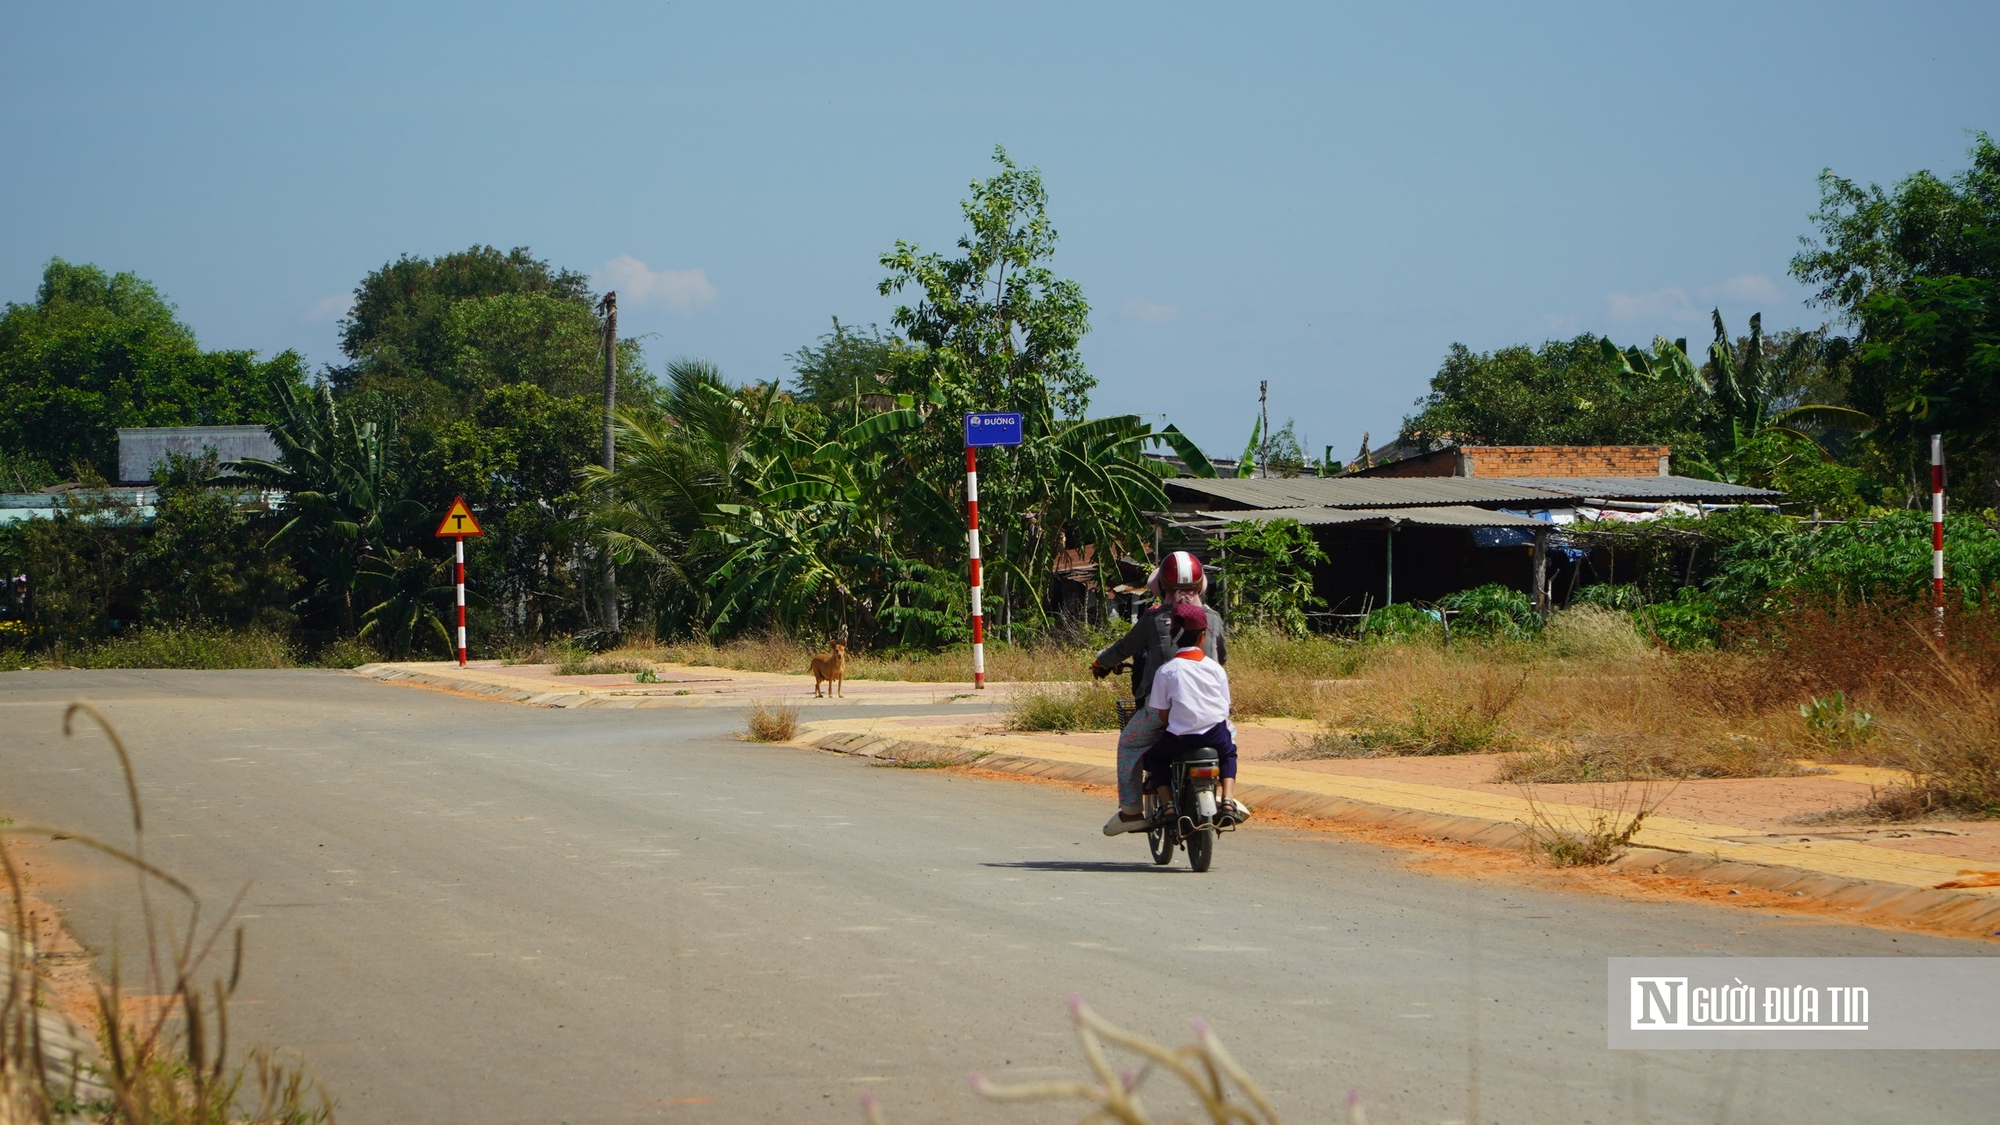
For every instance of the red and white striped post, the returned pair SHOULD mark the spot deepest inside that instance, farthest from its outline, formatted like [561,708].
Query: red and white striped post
[972,539]
[458,523]
[1937,530]
[459,544]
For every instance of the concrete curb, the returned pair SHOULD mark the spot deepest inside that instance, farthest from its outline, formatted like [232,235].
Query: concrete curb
[1971,915]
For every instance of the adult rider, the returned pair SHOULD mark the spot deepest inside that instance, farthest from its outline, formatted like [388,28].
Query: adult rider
[1149,644]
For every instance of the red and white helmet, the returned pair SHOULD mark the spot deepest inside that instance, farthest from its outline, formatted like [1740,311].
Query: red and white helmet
[1178,571]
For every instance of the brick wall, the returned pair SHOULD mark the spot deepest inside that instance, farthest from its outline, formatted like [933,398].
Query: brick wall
[1565,460]
[1531,461]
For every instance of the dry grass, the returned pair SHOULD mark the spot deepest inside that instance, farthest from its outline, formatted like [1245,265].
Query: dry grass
[1213,1086]
[1590,835]
[162,1063]
[773,722]
[1070,706]
[1589,700]
[770,653]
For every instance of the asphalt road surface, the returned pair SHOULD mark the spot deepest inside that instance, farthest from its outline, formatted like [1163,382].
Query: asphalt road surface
[464,911]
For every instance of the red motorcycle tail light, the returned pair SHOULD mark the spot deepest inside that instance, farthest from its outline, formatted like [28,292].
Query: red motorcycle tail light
[1205,771]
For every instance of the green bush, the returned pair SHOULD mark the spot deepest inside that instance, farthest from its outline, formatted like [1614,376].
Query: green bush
[1624,597]
[1690,621]
[188,646]
[1492,611]
[1270,567]
[347,652]
[1401,622]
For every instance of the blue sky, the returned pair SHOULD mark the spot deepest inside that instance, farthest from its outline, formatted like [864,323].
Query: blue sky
[1325,196]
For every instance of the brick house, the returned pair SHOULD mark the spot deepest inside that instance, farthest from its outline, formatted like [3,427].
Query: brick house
[1513,461]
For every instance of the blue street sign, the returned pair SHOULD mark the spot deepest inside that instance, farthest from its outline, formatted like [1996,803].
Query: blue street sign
[993,428]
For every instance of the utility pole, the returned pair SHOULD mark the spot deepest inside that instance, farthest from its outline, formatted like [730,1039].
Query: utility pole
[608,307]
[1263,428]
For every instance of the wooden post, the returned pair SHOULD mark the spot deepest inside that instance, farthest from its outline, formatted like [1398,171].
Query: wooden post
[1263,428]
[608,592]
[1541,573]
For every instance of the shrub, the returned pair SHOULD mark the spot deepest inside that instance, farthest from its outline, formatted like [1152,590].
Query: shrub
[346,652]
[1492,611]
[188,646]
[1432,722]
[1687,622]
[1064,706]
[1624,597]
[1629,758]
[1402,622]
[1588,632]
[1270,566]
[773,722]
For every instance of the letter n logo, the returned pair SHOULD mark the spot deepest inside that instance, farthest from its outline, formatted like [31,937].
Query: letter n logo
[1659,1002]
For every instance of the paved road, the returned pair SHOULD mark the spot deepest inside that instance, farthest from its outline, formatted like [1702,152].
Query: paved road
[479,912]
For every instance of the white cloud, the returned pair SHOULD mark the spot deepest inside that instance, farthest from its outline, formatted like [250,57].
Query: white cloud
[1669,304]
[677,291]
[328,308]
[1561,324]
[1752,288]
[1152,312]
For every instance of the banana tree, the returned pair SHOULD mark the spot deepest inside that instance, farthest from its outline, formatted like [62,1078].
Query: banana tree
[346,494]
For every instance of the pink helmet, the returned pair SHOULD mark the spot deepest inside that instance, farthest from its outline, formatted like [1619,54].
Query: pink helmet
[1178,571]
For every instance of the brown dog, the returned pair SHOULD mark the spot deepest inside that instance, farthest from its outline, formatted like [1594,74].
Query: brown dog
[831,670]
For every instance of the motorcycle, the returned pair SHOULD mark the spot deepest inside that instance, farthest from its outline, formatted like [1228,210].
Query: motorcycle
[1191,819]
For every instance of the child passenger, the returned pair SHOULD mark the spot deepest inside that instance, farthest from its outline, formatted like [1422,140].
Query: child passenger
[1192,691]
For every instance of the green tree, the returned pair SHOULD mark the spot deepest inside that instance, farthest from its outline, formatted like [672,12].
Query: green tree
[1913,271]
[76,563]
[1000,331]
[201,562]
[98,351]
[1270,571]
[847,365]
[516,459]
[1566,392]
[1013,327]
[431,335]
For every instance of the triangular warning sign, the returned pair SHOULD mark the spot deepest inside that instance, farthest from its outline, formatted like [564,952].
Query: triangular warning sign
[459,521]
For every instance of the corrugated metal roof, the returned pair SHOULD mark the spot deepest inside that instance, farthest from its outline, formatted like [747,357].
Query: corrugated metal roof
[1415,492]
[1464,516]
[1645,488]
[1358,492]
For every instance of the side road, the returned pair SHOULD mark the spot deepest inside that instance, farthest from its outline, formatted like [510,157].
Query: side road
[1938,888]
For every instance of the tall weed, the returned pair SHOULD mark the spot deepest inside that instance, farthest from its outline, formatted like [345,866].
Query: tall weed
[1066,706]
[187,646]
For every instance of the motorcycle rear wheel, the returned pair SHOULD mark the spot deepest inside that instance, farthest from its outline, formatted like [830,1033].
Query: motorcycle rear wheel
[1201,848]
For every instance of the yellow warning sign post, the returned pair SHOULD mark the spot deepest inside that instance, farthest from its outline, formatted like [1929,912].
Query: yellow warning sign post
[458,523]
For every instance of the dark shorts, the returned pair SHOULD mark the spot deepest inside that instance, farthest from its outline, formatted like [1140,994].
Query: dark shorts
[1170,746]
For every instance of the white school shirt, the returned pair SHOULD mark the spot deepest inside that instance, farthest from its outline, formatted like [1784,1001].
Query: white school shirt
[1195,687]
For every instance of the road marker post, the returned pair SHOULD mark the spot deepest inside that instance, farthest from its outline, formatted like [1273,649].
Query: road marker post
[458,523]
[1937,532]
[989,428]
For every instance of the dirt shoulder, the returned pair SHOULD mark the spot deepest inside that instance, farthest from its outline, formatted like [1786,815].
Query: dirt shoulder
[1727,840]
